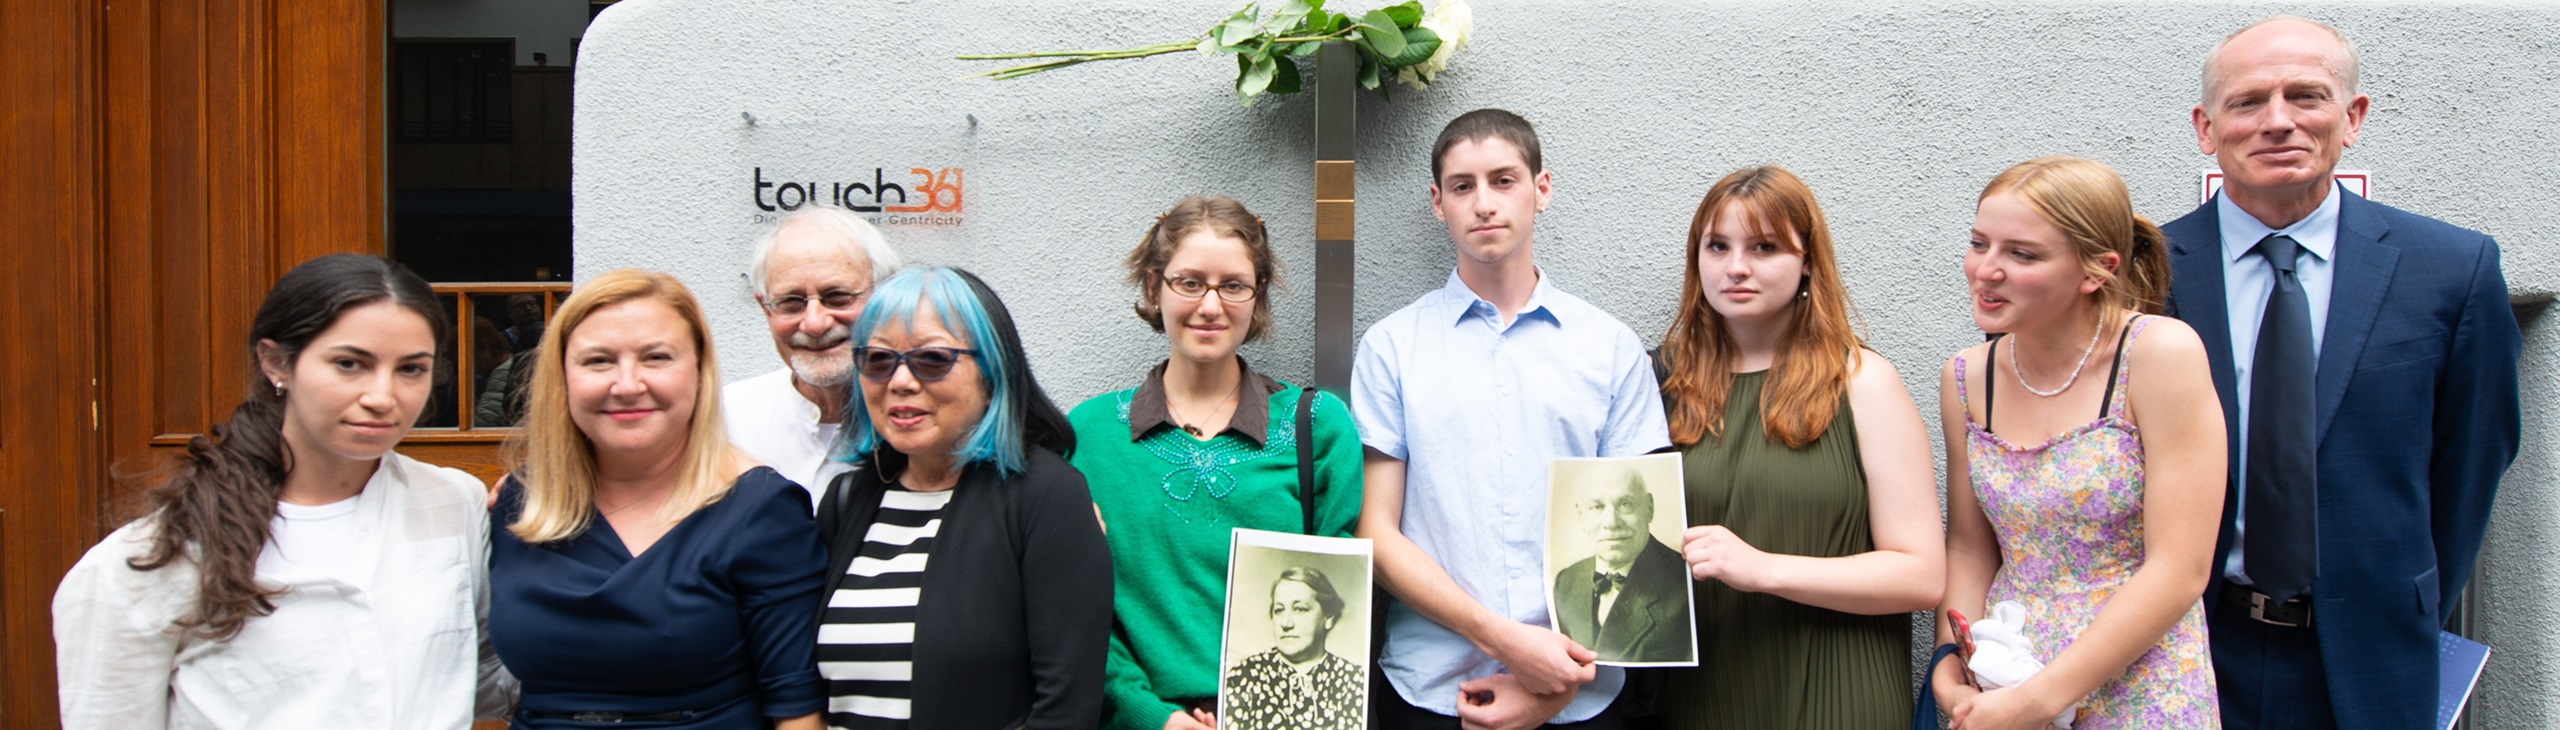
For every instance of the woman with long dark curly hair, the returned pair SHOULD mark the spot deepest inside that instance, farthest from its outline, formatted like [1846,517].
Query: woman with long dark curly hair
[294,571]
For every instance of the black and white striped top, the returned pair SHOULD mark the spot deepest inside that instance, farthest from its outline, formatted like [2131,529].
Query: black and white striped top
[866,641]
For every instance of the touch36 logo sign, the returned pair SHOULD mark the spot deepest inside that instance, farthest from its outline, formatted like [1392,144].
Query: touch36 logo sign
[924,196]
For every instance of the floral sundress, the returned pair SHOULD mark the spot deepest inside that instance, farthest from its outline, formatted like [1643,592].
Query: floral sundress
[2068,514]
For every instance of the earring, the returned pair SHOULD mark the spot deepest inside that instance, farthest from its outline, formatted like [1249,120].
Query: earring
[279,388]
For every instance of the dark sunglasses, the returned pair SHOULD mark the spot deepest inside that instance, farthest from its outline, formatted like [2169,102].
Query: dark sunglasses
[928,364]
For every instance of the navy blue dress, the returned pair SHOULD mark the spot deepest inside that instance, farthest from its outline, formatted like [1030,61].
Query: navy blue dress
[712,627]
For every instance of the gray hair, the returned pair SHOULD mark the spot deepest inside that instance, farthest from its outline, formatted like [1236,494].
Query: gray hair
[2348,70]
[848,231]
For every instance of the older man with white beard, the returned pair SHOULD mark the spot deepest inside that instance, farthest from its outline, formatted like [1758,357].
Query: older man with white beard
[811,272]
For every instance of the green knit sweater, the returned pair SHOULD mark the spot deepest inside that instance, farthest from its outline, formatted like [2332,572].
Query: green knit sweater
[1169,503]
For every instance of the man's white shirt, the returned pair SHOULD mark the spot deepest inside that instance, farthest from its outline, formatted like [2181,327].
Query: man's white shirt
[770,420]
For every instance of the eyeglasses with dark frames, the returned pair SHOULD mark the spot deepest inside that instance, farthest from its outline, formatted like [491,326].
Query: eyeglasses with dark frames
[927,364]
[835,300]
[1190,288]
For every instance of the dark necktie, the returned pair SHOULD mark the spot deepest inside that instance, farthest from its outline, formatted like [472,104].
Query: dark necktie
[2283,530]
[1601,584]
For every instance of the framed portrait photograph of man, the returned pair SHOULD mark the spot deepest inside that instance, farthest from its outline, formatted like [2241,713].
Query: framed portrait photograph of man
[1621,588]
[1296,651]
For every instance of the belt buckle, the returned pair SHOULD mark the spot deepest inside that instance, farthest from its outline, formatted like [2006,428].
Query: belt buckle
[2260,602]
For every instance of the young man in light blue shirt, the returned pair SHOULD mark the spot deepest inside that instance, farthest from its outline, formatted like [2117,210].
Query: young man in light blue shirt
[1462,399]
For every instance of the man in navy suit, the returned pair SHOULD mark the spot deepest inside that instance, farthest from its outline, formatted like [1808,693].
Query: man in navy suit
[2366,360]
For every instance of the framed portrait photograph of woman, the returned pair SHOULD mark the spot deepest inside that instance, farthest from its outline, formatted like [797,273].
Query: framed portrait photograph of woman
[1296,653]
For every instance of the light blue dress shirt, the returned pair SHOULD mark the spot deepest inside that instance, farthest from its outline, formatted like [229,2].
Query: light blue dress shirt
[1476,408]
[2247,281]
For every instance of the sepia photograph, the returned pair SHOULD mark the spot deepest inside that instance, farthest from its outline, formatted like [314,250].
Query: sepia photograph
[1620,585]
[1296,651]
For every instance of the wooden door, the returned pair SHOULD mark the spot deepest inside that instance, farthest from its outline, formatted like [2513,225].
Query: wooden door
[168,159]
[49,269]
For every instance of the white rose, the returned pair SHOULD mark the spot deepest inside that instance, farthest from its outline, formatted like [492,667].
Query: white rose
[1453,21]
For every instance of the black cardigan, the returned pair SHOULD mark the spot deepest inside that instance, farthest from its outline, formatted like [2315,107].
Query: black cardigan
[1014,618]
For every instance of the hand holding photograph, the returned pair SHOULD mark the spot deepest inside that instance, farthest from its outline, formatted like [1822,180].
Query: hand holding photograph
[1621,589]
[1296,653]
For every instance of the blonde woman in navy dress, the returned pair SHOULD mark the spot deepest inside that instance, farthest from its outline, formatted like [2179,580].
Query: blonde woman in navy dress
[646,574]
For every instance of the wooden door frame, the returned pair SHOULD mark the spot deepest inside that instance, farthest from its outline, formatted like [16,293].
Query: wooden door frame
[50,211]
[171,158]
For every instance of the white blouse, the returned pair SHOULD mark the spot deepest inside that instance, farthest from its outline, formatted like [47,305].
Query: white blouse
[388,637]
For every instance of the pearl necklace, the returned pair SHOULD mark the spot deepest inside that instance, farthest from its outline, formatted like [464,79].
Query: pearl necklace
[2075,369]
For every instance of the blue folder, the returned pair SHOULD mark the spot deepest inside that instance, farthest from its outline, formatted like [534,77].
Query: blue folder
[2460,661]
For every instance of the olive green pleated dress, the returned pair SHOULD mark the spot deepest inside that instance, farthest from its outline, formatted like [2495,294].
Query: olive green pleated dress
[1764,662]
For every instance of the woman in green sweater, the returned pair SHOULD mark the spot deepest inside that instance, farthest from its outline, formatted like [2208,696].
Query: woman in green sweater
[1202,445]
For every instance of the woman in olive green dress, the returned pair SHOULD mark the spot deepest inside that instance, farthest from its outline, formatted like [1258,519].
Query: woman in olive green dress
[1816,529]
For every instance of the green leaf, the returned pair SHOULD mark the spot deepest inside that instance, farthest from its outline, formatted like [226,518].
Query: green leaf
[1379,33]
[1252,76]
[1317,22]
[1290,16]
[1368,74]
[1341,22]
[1238,28]
[1307,48]
[1419,43]
[1209,45]
[1405,15]
[1285,80]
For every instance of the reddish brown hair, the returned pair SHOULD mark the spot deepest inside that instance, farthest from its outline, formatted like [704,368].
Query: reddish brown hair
[1812,366]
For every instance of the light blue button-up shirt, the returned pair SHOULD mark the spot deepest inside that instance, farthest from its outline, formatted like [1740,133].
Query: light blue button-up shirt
[1476,408]
[2247,281]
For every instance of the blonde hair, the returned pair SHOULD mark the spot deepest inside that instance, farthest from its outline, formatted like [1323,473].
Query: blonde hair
[556,462]
[1812,367]
[2088,202]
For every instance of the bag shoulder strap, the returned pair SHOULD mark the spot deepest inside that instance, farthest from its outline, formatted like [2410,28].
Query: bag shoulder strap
[1924,709]
[1307,459]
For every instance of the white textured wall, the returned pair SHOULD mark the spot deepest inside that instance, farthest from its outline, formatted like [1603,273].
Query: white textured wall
[1895,113]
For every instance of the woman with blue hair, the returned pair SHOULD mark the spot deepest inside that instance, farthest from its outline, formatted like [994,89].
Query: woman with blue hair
[968,582]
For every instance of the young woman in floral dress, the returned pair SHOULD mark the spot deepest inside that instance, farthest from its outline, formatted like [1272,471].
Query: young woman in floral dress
[2103,529]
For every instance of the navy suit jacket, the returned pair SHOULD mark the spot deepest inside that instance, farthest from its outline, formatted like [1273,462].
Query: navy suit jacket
[2418,419]
[1650,620]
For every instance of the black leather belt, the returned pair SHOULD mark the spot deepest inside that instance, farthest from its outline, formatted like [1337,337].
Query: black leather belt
[2294,613]
[615,717]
